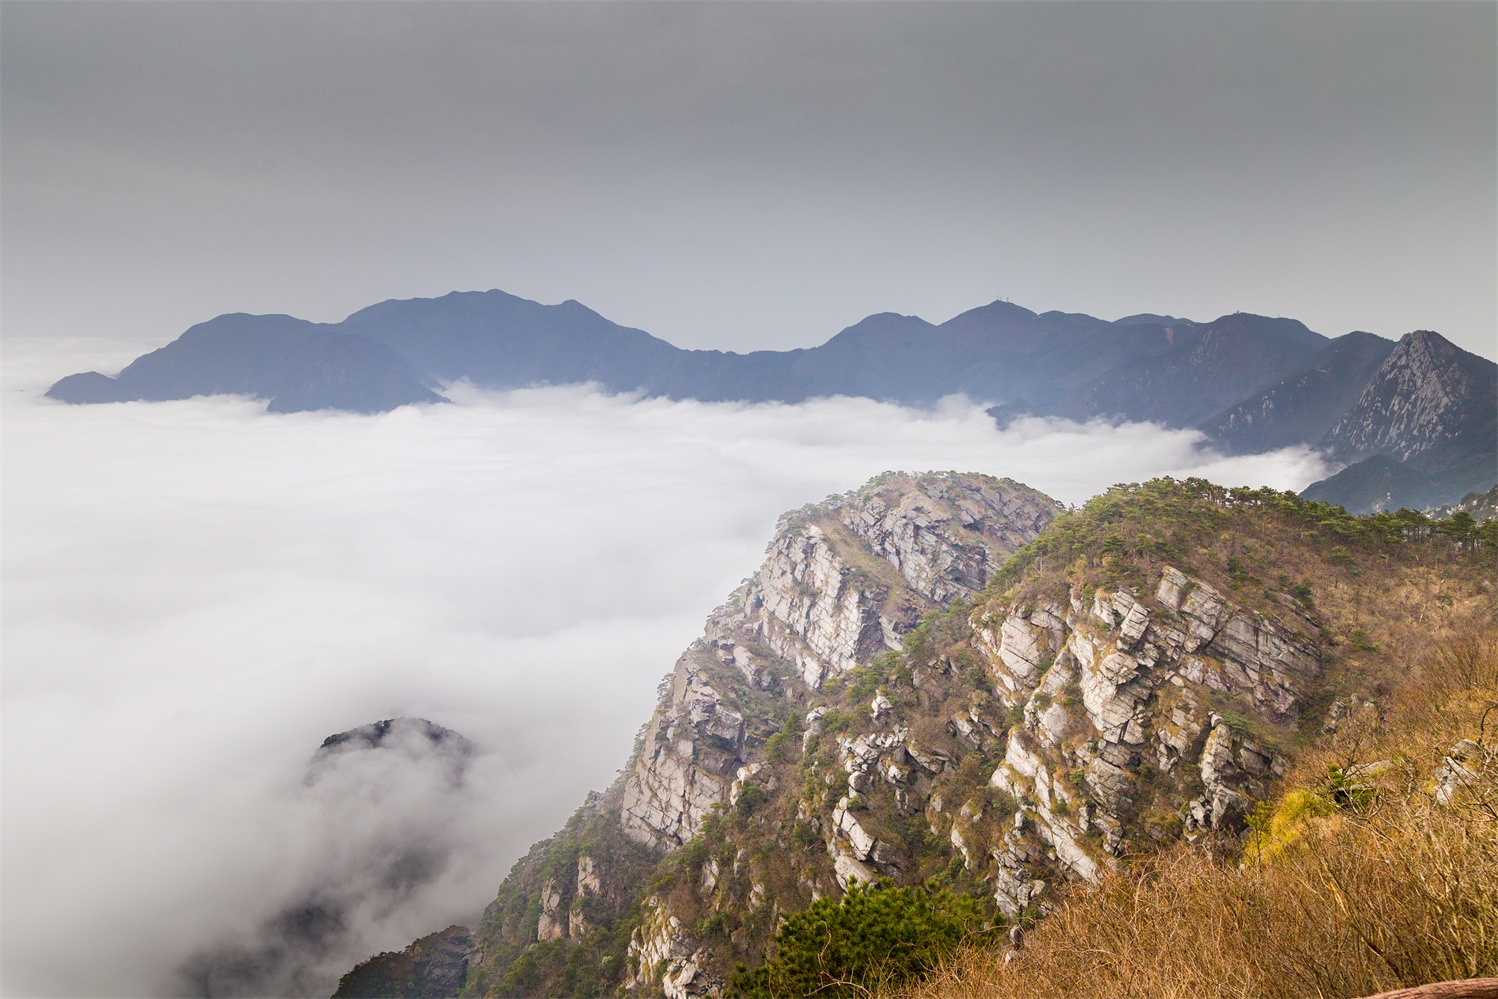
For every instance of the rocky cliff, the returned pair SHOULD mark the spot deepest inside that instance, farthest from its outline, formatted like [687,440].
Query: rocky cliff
[1137,707]
[843,582]
[1430,404]
[1424,430]
[889,698]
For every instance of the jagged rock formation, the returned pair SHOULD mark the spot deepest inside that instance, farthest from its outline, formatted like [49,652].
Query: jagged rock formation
[1123,683]
[1430,404]
[841,583]
[884,700]
[1424,430]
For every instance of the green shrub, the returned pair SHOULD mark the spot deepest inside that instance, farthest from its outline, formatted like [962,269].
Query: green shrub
[874,936]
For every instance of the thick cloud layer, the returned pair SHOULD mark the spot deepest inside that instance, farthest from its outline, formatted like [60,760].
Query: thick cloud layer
[197,594]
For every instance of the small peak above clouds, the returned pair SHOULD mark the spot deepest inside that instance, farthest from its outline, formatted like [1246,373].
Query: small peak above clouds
[395,733]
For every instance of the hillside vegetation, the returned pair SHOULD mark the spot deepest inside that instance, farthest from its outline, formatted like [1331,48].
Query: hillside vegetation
[1374,863]
[1188,740]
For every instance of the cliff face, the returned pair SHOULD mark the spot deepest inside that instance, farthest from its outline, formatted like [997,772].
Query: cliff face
[842,582]
[1431,404]
[1121,736]
[888,698]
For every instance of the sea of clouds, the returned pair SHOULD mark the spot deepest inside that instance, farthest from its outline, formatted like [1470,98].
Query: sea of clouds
[196,594]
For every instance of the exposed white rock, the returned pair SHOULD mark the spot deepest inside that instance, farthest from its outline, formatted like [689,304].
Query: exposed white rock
[691,746]
[1132,628]
[848,869]
[1146,679]
[742,779]
[662,946]
[1054,723]
[859,840]
[553,921]
[1460,768]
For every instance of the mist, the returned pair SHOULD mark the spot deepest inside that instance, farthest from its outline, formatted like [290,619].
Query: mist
[196,594]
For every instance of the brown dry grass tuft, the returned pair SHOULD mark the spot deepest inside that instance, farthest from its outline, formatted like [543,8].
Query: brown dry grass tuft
[1398,887]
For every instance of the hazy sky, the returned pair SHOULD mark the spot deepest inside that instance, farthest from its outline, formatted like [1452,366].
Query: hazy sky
[751,175]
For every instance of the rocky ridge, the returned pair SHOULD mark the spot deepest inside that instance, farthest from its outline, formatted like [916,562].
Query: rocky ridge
[889,699]
[1429,404]
[843,581]
[1120,698]
[1424,430]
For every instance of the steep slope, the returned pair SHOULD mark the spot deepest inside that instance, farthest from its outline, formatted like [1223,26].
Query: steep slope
[843,581]
[1430,404]
[1306,405]
[880,702]
[1424,430]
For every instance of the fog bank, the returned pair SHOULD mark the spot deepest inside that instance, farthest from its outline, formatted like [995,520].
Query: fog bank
[196,594]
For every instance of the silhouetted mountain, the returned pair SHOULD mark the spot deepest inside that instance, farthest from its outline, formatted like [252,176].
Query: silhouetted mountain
[1251,383]
[1306,405]
[294,364]
[394,353]
[499,340]
[1179,375]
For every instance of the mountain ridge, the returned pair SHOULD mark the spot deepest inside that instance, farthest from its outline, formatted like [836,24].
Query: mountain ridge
[891,698]
[1247,382]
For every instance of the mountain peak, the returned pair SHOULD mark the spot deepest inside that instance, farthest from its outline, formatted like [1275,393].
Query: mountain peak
[1431,404]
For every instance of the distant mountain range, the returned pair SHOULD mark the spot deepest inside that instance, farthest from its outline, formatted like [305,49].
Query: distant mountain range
[1416,421]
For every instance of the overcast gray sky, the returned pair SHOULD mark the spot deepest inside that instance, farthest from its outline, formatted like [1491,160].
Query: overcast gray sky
[751,175]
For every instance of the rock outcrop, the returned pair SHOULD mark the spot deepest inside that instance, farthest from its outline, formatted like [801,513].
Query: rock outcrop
[887,698]
[435,965]
[842,581]
[1120,694]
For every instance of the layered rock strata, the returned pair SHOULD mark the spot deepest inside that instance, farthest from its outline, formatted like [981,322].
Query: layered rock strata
[842,581]
[1126,703]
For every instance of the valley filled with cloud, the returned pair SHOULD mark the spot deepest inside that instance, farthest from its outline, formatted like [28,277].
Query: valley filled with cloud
[197,594]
